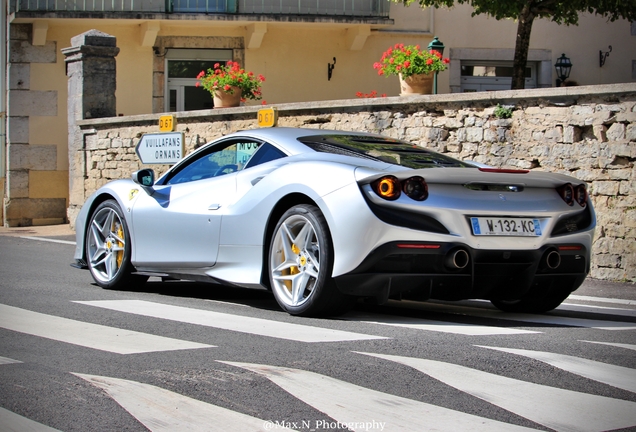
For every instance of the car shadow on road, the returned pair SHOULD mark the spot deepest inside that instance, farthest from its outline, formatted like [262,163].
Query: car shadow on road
[463,312]
[257,298]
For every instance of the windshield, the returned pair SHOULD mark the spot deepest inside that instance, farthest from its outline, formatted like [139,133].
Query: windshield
[381,149]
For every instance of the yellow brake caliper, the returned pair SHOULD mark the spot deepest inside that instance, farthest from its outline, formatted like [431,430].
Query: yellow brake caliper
[292,270]
[120,253]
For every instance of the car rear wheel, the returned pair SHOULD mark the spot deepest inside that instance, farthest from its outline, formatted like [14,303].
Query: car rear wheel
[108,248]
[300,264]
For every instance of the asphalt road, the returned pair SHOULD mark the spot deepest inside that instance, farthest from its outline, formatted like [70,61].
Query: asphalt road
[185,356]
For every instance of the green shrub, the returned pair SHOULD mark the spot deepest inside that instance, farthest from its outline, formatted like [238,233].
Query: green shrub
[503,112]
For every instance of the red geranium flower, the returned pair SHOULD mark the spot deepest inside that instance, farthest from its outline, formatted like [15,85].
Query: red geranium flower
[229,76]
[410,60]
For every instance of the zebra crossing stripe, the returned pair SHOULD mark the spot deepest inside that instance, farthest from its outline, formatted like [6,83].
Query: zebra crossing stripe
[244,324]
[549,318]
[89,335]
[12,422]
[438,326]
[48,240]
[558,409]
[597,309]
[617,376]
[6,360]
[619,345]
[161,410]
[357,407]
[601,299]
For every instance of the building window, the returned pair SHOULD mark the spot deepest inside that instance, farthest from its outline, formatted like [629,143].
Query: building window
[483,69]
[182,67]
[205,6]
[487,76]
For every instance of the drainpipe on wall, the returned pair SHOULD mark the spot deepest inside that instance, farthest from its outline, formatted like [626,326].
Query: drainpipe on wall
[3,105]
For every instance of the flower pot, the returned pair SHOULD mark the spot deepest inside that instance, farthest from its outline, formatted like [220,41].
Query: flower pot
[416,84]
[224,99]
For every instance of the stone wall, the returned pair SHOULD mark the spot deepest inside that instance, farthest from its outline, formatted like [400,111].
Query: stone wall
[586,132]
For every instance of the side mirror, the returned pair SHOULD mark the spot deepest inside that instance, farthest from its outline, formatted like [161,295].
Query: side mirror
[144,178]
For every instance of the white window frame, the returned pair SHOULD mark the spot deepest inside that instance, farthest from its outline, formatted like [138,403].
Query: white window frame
[488,83]
[541,58]
[179,84]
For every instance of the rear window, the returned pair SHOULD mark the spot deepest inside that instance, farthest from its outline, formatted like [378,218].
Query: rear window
[381,149]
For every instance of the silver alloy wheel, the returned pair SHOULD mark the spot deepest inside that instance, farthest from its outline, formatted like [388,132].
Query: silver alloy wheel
[295,261]
[106,245]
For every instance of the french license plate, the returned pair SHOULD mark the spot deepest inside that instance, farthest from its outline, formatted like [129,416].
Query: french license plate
[485,226]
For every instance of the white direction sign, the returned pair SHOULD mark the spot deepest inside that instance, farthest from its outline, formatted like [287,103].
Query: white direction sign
[160,148]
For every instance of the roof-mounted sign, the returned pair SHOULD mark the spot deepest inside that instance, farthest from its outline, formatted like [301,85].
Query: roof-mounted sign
[160,148]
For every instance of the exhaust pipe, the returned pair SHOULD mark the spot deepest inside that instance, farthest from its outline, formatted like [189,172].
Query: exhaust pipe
[457,259]
[553,259]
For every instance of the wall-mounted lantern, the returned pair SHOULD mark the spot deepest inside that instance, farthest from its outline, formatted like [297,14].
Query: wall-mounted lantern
[604,55]
[330,67]
[563,67]
[436,45]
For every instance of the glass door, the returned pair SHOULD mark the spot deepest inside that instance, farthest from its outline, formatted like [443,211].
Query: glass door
[182,67]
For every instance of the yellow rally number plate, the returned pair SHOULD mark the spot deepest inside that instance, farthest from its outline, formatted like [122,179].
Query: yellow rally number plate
[267,117]
[167,123]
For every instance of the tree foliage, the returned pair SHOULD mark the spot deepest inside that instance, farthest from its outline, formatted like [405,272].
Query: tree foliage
[525,11]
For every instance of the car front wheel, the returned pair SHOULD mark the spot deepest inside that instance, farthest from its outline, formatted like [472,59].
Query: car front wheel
[300,264]
[108,248]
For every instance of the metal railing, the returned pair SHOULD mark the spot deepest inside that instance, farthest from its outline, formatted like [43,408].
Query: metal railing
[91,5]
[361,8]
[373,8]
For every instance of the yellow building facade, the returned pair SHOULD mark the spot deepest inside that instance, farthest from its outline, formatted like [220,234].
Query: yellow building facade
[308,50]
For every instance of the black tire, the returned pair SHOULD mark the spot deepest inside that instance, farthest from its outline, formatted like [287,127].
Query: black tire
[108,248]
[300,264]
[533,304]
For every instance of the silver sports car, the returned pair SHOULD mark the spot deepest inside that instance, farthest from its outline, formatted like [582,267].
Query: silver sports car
[322,218]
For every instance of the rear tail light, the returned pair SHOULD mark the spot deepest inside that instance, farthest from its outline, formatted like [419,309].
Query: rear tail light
[387,187]
[415,188]
[504,170]
[580,195]
[418,246]
[570,247]
[572,194]
[567,193]
[390,188]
